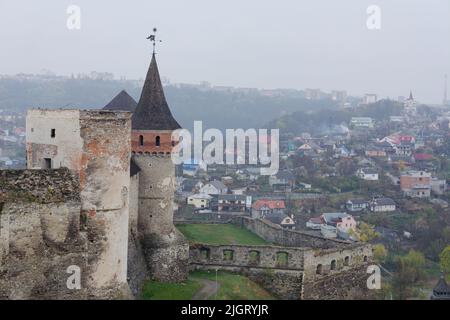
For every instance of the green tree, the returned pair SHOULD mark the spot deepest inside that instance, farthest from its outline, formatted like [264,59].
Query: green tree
[366,232]
[408,274]
[379,253]
[445,260]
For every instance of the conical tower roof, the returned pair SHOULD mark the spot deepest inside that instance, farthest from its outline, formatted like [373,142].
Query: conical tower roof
[442,286]
[152,111]
[122,102]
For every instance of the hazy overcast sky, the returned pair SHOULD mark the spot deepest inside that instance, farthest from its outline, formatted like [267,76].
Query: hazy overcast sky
[249,43]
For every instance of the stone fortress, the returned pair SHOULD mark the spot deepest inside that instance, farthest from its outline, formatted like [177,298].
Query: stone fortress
[96,201]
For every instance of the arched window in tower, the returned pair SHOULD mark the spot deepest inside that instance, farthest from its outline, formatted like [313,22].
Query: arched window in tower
[141,140]
[158,141]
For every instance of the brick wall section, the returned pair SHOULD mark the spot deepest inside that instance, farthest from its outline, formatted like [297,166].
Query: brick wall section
[149,140]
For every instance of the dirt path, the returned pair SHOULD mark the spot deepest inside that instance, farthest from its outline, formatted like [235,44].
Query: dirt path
[208,290]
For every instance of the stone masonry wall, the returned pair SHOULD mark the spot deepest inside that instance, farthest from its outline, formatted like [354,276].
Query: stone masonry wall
[290,238]
[96,146]
[39,232]
[278,269]
[289,272]
[104,190]
[137,271]
[165,248]
[292,272]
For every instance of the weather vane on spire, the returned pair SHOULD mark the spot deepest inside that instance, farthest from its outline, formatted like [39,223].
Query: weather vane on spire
[153,39]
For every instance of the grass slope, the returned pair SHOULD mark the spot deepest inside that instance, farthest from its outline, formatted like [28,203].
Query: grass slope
[232,287]
[154,290]
[218,234]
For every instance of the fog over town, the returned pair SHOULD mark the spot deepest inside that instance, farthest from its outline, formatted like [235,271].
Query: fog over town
[254,43]
[225,150]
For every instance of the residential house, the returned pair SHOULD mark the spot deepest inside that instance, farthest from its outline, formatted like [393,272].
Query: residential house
[397,119]
[227,180]
[382,205]
[423,157]
[281,219]
[262,207]
[367,174]
[283,181]
[370,98]
[329,146]
[239,191]
[199,200]
[438,186]
[233,203]
[355,205]
[416,184]
[404,148]
[191,167]
[342,221]
[304,186]
[310,148]
[191,185]
[375,151]
[343,152]
[332,225]
[315,223]
[362,122]
[214,187]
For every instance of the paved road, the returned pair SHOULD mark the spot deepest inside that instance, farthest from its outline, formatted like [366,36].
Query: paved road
[208,290]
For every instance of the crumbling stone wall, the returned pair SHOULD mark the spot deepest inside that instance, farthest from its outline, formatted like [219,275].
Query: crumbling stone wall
[96,146]
[291,238]
[104,191]
[40,234]
[348,285]
[337,273]
[278,269]
[63,148]
[137,266]
[165,249]
[261,257]
[290,272]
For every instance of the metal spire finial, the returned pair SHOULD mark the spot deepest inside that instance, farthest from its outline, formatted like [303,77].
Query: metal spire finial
[153,39]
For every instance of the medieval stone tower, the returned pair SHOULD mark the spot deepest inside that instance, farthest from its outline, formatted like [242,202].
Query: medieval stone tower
[165,250]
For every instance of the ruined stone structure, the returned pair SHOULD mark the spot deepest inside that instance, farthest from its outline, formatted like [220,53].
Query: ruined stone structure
[295,266]
[290,238]
[97,201]
[55,219]
[98,196]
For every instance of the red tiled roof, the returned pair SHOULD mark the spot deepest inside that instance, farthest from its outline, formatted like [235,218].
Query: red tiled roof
[423,156]
[272,204]
[406,138]
[317,220]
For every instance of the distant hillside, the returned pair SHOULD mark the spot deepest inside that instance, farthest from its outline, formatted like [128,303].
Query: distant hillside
[217,109]
[324,120]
